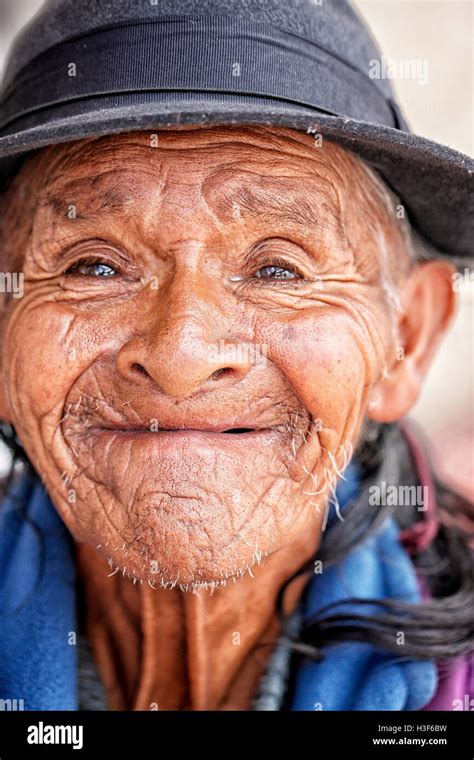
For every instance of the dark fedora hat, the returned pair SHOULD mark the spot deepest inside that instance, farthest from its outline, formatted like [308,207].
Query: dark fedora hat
[83,68]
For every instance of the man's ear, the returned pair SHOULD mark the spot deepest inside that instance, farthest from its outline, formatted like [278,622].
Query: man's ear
[428,304]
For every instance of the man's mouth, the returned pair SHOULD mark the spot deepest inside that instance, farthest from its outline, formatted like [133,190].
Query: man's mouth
[158,429]
[181,443]
[185,435]
[230,431]
[107,436]
[204,432]
[168,426]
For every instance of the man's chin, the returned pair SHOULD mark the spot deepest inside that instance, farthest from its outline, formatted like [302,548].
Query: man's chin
[164,537]
[166,540]
[185,577]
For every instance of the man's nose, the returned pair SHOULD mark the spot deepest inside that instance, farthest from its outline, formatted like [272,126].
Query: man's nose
[188,347]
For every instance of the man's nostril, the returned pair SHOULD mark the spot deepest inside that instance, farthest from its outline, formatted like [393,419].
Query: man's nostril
[220,372]
[139,368]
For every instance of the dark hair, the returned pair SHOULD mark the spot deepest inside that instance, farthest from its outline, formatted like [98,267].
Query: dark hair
[438,629]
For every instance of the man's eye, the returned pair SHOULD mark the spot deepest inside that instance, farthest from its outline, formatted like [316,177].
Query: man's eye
[92,268]
[274,273]
[278,270]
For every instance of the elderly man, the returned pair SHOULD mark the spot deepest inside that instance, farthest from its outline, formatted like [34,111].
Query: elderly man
[215,317]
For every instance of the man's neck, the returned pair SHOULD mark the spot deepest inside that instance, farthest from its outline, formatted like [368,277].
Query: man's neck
[201,650]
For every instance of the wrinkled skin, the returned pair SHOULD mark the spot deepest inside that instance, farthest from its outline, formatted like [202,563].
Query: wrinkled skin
[121,374]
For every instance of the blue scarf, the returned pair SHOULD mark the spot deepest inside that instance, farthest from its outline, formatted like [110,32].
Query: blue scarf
[38,616]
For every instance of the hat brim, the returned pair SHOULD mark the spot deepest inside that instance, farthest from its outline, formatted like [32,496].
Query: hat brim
[433,181]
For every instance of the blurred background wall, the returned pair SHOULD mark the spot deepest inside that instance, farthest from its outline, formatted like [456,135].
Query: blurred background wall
[439,34]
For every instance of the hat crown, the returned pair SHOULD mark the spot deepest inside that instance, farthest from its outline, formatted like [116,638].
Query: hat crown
[331,24]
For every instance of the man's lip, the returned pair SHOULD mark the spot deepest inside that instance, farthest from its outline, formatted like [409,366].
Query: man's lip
[228,429]
[180,432]
[184,440]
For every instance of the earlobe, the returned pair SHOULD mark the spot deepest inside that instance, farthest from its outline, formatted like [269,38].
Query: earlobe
[394,395]
[428,304]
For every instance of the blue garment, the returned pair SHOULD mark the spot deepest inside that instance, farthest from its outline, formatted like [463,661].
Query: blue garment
[38,662]
[357,676]
[38,616]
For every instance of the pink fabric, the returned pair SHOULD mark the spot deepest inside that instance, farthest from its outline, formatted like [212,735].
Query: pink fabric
[454,690]
[418,537]
[455,678]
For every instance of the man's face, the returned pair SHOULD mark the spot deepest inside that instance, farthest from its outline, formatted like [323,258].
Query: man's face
[203,321]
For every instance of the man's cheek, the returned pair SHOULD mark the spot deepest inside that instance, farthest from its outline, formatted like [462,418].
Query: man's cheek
[49,352]
[328,368]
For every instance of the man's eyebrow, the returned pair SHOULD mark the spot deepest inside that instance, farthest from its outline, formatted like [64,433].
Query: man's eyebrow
[277,208]
[109,199]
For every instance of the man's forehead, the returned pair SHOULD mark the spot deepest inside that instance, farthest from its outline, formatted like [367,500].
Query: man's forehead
[234,178]
[200,151]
